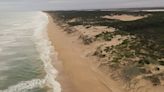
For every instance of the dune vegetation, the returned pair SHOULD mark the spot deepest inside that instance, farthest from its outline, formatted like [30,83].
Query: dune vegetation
[139,53]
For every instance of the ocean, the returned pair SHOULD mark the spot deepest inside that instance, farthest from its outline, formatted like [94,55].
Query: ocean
[25,53]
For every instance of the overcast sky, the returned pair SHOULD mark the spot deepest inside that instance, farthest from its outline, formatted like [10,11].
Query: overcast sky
[75,4]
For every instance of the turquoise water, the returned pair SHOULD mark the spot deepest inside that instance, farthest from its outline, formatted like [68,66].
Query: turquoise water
[25,64]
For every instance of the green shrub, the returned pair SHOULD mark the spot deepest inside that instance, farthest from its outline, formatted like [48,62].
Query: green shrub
[154,79]
[130,72]
[161,63]
[107,36]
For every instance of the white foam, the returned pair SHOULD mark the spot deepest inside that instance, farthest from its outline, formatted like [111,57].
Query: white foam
[25,85]
[45,49]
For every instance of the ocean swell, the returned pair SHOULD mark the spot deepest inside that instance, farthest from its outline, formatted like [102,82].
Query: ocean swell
[35,28]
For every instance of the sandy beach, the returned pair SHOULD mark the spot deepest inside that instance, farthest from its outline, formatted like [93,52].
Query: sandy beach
[79,70]
[75,71]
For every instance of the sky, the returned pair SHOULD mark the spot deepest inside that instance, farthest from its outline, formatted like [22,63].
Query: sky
[76,4]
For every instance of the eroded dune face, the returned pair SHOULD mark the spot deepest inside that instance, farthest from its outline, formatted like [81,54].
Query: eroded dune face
[125,17]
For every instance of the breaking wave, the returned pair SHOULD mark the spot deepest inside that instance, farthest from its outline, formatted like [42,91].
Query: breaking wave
[45,50]
[25,85]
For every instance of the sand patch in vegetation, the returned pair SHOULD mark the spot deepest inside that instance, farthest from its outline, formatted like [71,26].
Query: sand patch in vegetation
[128,57]
[93,30]
[124,17]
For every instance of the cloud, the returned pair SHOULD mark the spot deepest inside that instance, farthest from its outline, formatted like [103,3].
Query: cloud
[75,4]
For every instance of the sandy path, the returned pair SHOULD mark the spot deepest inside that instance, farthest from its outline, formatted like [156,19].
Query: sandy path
[76,75]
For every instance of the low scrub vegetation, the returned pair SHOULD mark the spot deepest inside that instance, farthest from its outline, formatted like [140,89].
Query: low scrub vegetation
[139,55]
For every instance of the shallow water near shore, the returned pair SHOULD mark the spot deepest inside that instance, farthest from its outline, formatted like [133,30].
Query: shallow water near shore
[25,53]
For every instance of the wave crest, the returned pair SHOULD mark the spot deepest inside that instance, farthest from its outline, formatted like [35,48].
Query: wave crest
[46,50]
[25,85]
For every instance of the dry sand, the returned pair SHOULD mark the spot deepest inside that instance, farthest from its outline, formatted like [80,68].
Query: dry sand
[92,31]
[124,17]
[76,73]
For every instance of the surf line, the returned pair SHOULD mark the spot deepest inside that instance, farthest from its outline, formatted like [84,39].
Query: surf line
[46,50]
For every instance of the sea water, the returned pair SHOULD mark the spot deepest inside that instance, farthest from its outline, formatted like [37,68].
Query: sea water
[25,53]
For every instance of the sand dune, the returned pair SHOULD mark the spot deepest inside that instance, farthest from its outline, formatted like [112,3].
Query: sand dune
[124,17]
[77,71]
[80,75]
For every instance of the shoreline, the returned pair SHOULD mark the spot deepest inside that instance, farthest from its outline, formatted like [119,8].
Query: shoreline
[61,77]
[75,72]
